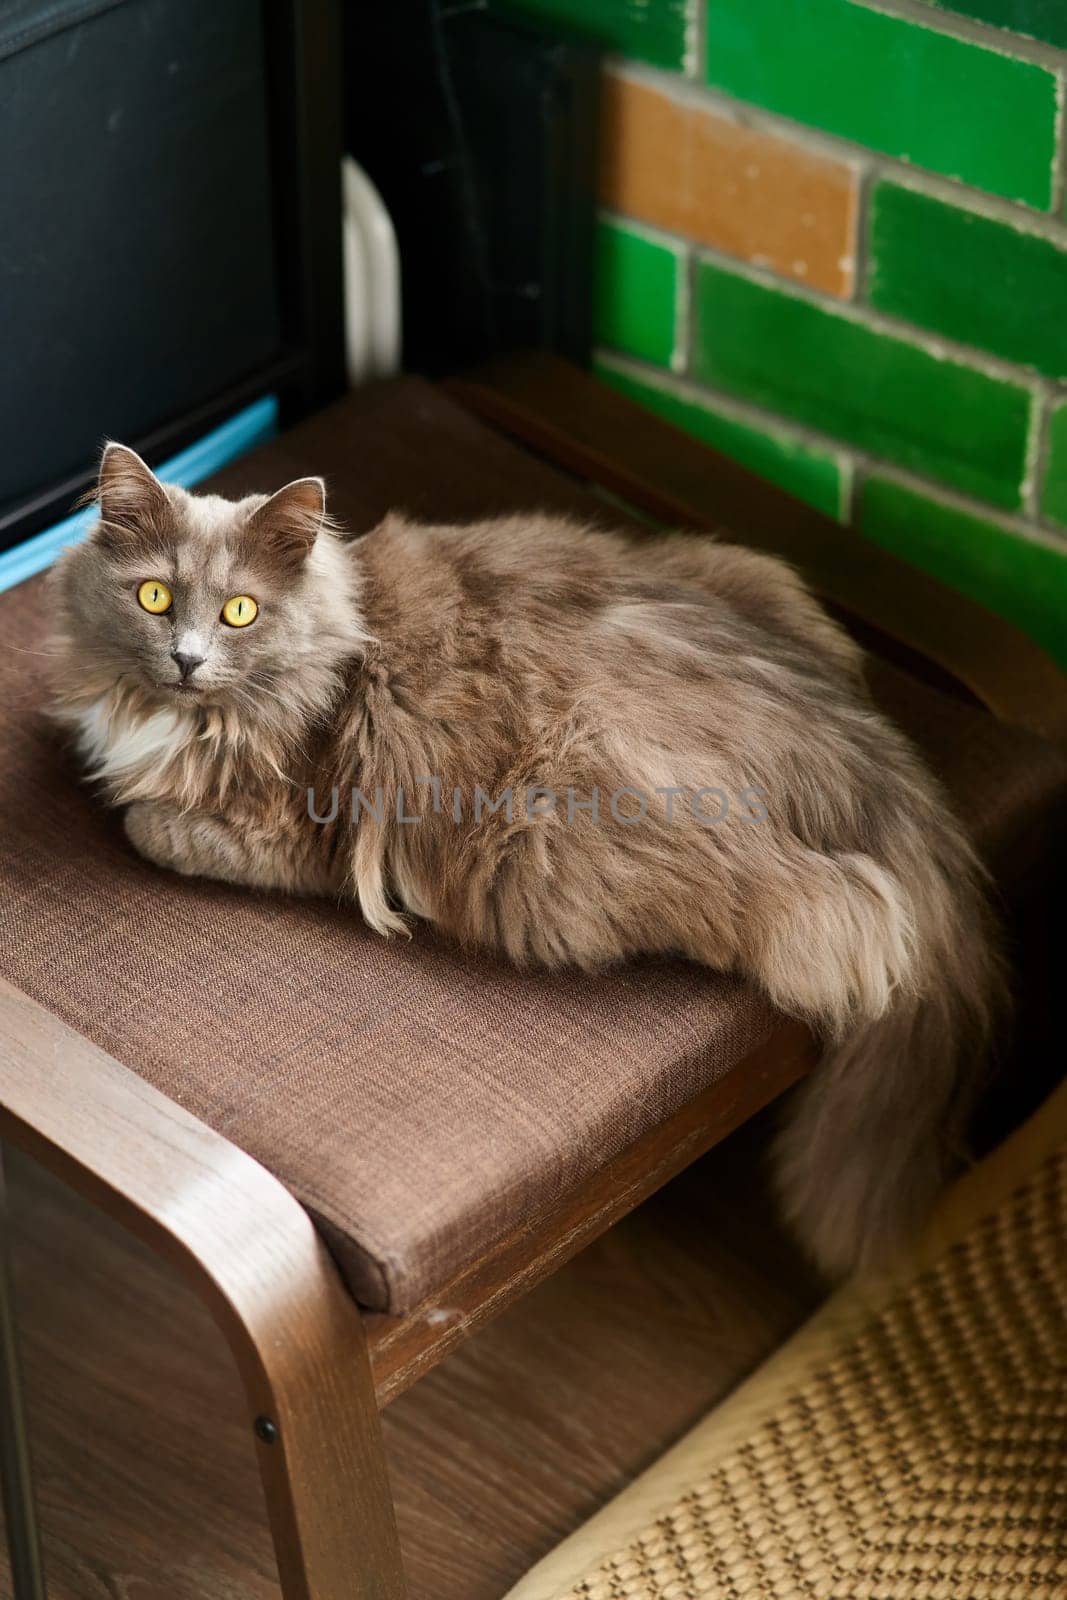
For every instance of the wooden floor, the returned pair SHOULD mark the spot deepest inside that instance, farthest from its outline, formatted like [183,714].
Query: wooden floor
[146,1476]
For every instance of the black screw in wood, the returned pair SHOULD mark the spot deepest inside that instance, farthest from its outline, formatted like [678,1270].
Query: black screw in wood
[266,1430]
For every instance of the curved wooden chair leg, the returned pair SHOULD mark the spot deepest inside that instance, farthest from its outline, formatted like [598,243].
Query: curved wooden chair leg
[250,1251]
[16,1472]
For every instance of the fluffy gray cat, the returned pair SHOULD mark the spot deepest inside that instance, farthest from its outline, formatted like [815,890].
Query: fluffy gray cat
[610,746]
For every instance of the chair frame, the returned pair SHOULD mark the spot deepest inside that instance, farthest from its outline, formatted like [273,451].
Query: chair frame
[314,1369]
[302,1347]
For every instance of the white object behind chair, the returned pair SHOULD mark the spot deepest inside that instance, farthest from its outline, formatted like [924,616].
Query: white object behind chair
[371,279]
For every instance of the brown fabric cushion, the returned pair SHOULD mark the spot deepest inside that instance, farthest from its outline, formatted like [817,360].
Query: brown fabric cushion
[421,1104]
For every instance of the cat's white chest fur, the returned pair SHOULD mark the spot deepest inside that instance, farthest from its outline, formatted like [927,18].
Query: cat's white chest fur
[115,747]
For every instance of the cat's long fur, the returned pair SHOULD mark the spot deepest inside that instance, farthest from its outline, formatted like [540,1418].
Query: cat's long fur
[529,652]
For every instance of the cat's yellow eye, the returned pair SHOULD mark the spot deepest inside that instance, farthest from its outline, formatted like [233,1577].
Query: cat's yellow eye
[240,611]
[155,596]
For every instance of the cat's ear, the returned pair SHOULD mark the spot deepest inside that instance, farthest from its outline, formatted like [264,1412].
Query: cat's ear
[132,499]
[286,526]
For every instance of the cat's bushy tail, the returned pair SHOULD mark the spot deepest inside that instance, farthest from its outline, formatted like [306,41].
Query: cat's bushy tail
[872,1135]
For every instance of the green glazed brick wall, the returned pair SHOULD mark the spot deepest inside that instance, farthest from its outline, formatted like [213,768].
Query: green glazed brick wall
[637,294]
[816,476]
[1054,503]
[1040,19]
[1024,580]
[982,282]
[920,394]
[646,30]
[851,381]
[892,85]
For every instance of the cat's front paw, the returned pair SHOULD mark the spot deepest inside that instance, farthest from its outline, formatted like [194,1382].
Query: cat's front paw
[155,832]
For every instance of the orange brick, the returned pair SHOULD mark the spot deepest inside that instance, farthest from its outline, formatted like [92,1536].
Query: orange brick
[754,195]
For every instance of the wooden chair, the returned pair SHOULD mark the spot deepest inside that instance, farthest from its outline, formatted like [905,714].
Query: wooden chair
[333,1299]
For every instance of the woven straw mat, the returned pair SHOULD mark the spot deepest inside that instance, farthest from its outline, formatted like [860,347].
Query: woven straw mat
[924,1457]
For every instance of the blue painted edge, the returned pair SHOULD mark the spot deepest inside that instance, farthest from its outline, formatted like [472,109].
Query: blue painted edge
[254,425]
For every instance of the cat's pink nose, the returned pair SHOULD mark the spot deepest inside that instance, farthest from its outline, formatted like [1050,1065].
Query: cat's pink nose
[187,665]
